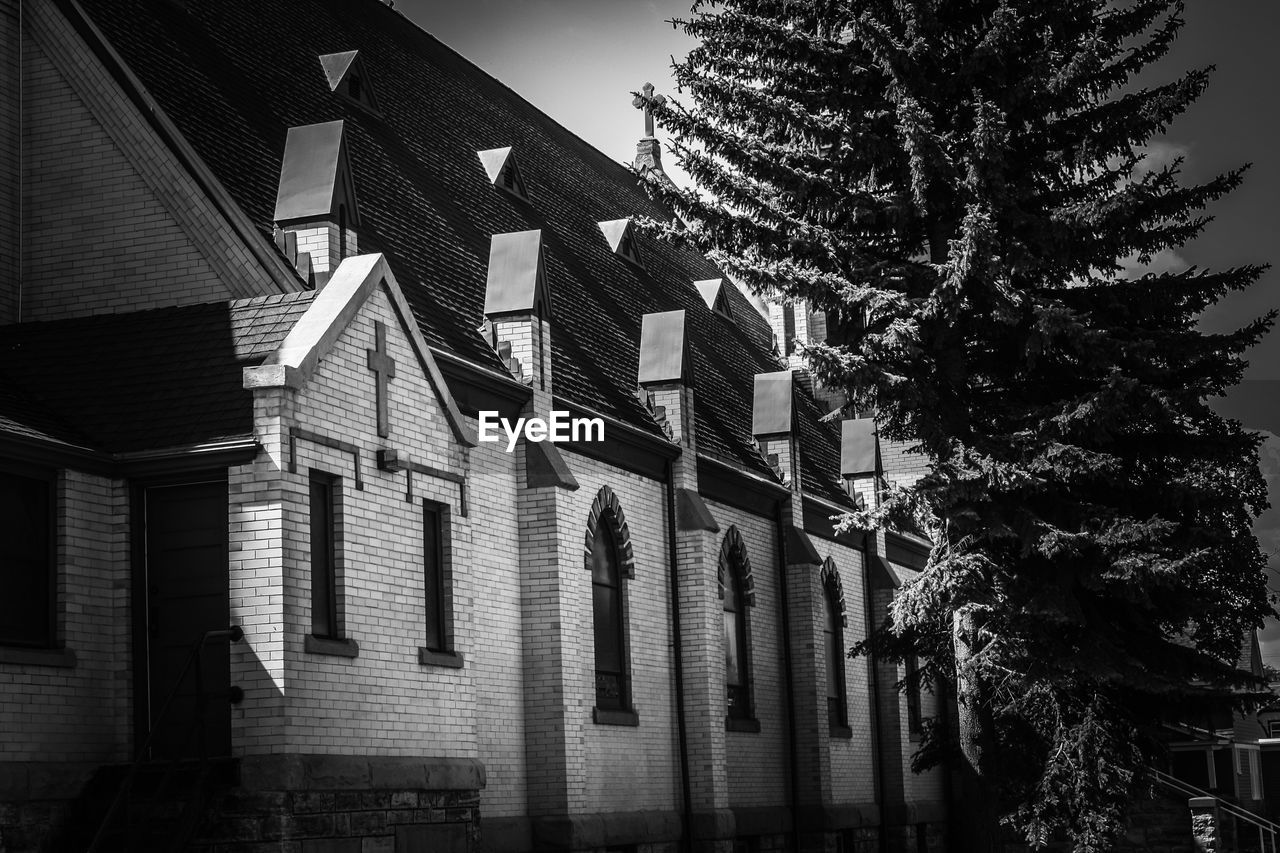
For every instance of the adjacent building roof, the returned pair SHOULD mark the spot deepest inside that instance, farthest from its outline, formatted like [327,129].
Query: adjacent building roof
[235,75]
[146,380]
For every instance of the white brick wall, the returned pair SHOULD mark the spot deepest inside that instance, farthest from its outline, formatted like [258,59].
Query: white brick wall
[757,761]
[79,713]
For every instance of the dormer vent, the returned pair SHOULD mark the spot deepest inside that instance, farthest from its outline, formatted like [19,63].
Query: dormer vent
[620,235]
[516,284]
[772,404]
[712,291]
[316,198]
[664,350]
[348,79]
[504,173]
[859,448]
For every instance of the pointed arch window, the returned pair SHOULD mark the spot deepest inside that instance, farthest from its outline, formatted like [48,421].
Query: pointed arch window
[737,595]
[610,562]
[606,605]
[833,648]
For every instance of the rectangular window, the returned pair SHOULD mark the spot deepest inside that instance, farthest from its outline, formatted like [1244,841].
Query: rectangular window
[914,722]
[324,569]
[27,574]
[788,328]
[434,577]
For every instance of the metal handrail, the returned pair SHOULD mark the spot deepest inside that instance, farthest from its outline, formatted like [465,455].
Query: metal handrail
[232,634]
[1265,827]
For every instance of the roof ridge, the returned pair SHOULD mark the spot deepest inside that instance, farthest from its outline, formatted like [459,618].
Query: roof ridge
[419,30]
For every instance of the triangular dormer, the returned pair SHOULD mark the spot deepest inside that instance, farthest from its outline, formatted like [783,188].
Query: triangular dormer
[713,293]
[621,238]
[503,171]
[347,77]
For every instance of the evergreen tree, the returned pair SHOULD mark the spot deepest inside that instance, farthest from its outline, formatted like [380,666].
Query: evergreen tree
[959,180]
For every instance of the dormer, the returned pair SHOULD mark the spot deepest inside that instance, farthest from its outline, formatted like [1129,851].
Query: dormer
[712,291]
[517,307]
[503,171]
[348,79]
[316,198]
[620,235]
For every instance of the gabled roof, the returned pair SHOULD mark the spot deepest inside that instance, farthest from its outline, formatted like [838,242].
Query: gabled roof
[145,380]
[234,75]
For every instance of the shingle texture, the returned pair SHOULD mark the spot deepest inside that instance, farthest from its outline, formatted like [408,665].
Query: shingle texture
[234,75]
[141,381]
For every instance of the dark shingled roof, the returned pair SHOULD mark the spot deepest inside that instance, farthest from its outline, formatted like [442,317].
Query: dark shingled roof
[147,380]
[234,75]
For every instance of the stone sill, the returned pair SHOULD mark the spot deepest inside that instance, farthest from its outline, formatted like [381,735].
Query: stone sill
[842,732]
[452,660]
[604,717]
[344,648]
[742,724]
[61,658]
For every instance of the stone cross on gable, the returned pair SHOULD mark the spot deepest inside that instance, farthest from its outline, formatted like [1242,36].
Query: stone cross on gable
[639,101]
[384,368]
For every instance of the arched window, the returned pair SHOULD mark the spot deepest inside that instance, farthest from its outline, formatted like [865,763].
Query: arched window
[833,644]
[609,559]
[735,592]
[606,599]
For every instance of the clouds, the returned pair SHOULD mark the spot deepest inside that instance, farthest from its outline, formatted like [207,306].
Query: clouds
[1160,153]
[1165,260]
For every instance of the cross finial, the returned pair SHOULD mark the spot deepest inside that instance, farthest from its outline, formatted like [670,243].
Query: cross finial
[641,101]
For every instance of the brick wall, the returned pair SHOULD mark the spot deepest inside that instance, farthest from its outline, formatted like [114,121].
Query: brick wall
[900,465]
[625,768]
[757,761]
[112,220]
[384,701]
[852,759]
[497,637]
[78,713]
[10,151]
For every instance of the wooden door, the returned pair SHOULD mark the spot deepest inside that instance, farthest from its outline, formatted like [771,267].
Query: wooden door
[186,594]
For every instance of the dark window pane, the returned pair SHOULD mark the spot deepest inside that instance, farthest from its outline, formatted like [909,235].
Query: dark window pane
[26,582]
[914,721]
[604,568]
[433,577]
[833,636]
[608,645]
[732,653]
[324,621]
[606,614]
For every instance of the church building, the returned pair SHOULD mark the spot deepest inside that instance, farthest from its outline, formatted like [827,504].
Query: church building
[273,273]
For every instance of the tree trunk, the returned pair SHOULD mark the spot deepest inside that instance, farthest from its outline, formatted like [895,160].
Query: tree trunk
[978,814]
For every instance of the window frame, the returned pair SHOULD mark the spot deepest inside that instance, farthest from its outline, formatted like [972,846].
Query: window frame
[335,642]
[834,616]
[915,698]
[617,620]
[441,652]
[27,649]
[607,512]
[735,569]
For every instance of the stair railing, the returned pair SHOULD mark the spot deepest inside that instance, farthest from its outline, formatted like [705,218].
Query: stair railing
[1268,831]
[233,634]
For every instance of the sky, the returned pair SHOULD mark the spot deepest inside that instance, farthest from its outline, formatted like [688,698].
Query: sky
[580,60]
